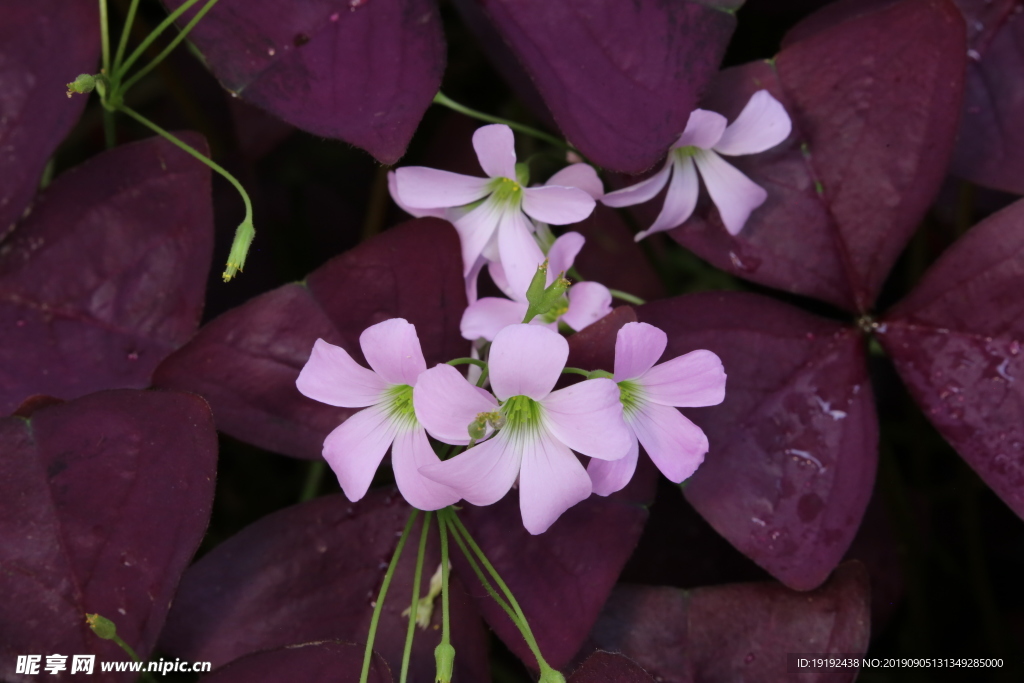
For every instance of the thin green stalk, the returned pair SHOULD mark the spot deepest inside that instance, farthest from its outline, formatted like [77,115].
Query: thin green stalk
[443,514]
[444,577]
[576,371]
[625,296]
[123,43]
[144,45]
[314,477]
[368,653]
[457,523]
[105,37]
[464,361]
[443,100]
[483,376]
[415,597]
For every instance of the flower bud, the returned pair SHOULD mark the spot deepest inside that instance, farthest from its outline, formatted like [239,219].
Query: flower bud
[84,83]
[101,626]
[444,656]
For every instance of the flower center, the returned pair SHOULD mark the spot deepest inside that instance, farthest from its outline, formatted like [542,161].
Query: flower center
[507,192]
[686,152]
[523,416]
[631,395]
[398,404]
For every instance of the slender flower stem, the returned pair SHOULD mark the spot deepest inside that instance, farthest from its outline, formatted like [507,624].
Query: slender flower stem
[415,597]
[443,100]
[161,27]
[105,37]
[576,371]
[123,43]
[479,572]
[314,477]
[625,296]
[465,361]
[445,623]
[368,653]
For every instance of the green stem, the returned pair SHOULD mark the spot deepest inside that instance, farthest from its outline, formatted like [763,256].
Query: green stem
[443,100]
[109,131]
[483,376]
[105,37]
[123,43]
[464,361]
[624,296]
[167,50]
[245,233]
[368,653]
[576,371]
[415,597]
[314,477]
[444,514]
[444,578]
[161,27]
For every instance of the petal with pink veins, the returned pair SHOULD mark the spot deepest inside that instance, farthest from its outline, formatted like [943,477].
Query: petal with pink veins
[410,452]
[761,125]
[490,315]
[609,476]
[582,176]
[392,349]
[557,205]
[526,360]
[483,474]
[588,303]
[735,195]
[331,376]
[496,150]
[420,187]
[703,130]
[519,254]
[563,253]
[693,380]
[680,199]
[355,448]
[551,481]
[643,191]
[587,417]
[446,404]
[418,213]
[676,445]
[475,230]
[638,346]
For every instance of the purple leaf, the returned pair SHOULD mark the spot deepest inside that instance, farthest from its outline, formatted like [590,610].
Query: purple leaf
[104,501]
[737,632]
[562,577]
[46,44]
[362,71]
[310,663]
[107,275]
[990,146]
[794,444]
[874,101]
[245,362]
[611,257]
[312,572]
[606,667]
[957,340]
[620,78]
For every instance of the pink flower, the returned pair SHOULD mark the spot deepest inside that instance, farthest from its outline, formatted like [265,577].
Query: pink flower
[499,228]
[761,125]
[586,303]
[648,394]
[356,447]
[541,427]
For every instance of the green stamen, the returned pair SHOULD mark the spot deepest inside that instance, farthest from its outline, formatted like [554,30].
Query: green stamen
[507,191]
[631,395]
[398,400]
[523,416]
[686,152]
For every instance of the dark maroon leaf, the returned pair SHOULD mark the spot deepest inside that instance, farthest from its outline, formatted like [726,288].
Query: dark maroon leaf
[312,572]
[363,71]
[990,146]
[738,632]
[620,78]
[324,662]
[46,44]
[104,501]
[593,348]
[606,667]
[956,341]
[107,275]
[794,444]
[611,257]
[875,101]
[246,361]
[562,577]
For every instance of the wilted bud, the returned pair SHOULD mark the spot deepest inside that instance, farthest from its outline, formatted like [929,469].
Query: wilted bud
[444,656]
[101,626]
[85,83]
[478,428]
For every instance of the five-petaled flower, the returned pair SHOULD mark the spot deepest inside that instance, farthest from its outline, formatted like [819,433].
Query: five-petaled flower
[355,448]
[649,393]
[761,125]
[541,427]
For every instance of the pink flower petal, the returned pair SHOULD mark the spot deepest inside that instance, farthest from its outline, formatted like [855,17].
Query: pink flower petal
[588,303]
[520,254]
[410,452]
[526,360]
[557,205]
[761,125]
[563,253]
[483,474]
[692,380]
[703,129]
[497,274]
[490,315]
[680,199]
[418,213]
[735,195]
[582,176]
[587,417]
[643,191]
[676,445]
[356,447]
[332,377]
[446,404]
[472,277]
[638,346]
[420,187]
[475,230]
[551,481]
[609,476]
[392,349]
[496,150]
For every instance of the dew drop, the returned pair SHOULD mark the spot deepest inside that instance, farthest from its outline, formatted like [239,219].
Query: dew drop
[133,356]
[974,54]
[749,658]
[334,17]
[20,323]
[271,51]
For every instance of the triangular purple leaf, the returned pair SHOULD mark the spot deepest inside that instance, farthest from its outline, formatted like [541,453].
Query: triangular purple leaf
[620,78]
[104,501]
[794,444]
[46,44]
[312,572]
[107,275]
[360,71]
[607,667]
[246,361]
[874,101]
[957,342]
[323,662]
